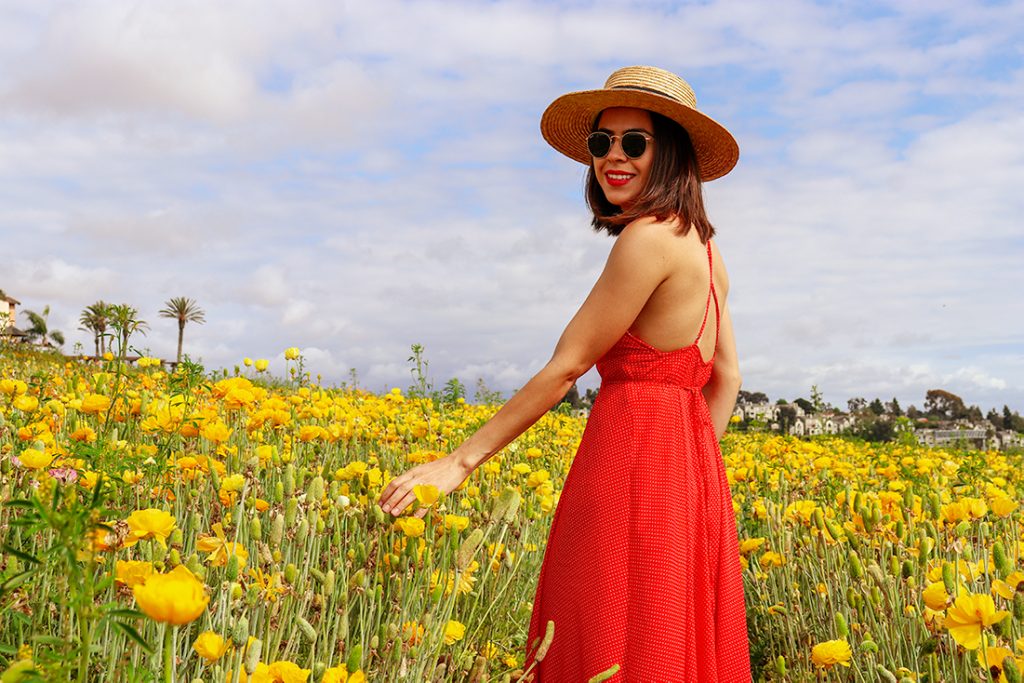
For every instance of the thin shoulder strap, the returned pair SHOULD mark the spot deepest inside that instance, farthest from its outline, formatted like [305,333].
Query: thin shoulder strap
[707,306]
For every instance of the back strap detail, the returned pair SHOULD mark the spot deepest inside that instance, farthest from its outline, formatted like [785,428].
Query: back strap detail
[707,306]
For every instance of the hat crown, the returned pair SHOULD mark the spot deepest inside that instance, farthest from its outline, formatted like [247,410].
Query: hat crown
[654,80]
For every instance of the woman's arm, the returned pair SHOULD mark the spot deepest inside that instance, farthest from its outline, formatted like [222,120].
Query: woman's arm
[724,386]
[636,266]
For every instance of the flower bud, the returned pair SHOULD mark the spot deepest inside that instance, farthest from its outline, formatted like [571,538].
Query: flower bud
[291,511]
[841,629]
[289,480]
[302,533]
[252,656]
[949,578]
[240,632]
[276,531]
[278,493]
[315,490]
[231,571]
[856,569]
[291,572]
[780,666]
[307,629]
[1018,606]
[255,529]
[1002,562]
[468,548]
[1011,671]
[355,658]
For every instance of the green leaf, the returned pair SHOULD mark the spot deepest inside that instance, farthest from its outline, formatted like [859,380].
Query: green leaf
[16,580]
[126,614]
[130,631]
[19,503]
[21,555]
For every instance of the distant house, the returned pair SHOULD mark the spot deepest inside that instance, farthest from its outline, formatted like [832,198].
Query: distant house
[977,438]
[9,308]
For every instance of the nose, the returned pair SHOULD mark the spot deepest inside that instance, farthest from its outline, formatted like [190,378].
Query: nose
[616,153]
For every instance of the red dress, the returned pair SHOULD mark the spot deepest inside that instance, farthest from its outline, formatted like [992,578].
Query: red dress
[642,562]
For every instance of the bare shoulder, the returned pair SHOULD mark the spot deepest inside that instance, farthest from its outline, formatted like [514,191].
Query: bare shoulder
[718,263]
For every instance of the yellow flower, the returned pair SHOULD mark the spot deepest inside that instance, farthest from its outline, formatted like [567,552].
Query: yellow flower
[95,403]
[35,459]
[336,674]
[210,646]
[830,653]
[151,523]
[969,614]
[991,659]
[247,362]
[1008,588]
[261,364]
[84,435]
[131,573]
[1002,506]
[935,596]
[26,404]
[749,545]
[410,526]
[772,559]
[284,672]
[235,482]
[426,494]
[218,432]
[412,632]
[176,598]
[220,548]
[456,522]
[291,353]
[453,632]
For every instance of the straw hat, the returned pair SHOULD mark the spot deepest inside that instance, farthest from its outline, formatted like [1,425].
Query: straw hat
[568,120]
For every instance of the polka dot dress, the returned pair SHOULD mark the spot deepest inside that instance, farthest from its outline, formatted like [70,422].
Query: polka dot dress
[642,565]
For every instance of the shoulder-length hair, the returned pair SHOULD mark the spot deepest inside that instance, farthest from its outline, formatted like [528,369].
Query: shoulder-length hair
[673,190]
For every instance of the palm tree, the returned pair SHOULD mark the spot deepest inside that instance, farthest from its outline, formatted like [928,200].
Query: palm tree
[184,311]
[94,319]
[39,331]
[123,318]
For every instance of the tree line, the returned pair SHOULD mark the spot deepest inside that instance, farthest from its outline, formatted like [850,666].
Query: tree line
[110,323]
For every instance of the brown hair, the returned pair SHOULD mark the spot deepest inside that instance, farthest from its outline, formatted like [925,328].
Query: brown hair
[673,188]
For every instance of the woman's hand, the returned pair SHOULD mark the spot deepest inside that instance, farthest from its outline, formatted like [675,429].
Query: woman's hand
[446,473]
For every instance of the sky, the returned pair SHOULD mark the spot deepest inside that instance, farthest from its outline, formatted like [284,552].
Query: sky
[353,178]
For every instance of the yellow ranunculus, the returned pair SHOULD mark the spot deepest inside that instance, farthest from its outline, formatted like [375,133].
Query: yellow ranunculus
[176,598]
[210,646]
[453,631]
[131,573]
[291,353]
[151,523]
[35,459]
[410,526]
[95,403]
[285,672]
[426,494]
[968,615]
[261,364]
[830,653]
[26,404]
[935,596]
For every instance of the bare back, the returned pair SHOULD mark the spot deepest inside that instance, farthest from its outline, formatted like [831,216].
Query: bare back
[672,316]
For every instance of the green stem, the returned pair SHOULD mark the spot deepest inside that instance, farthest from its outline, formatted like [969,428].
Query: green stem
[168,654]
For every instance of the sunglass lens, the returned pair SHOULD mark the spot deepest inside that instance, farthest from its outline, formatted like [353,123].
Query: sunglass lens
[634,144]
[599,144]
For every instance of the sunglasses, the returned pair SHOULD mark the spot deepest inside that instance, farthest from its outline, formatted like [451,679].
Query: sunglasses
[634,143]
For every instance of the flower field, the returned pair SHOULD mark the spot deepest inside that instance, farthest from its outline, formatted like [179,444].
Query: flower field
[189,527]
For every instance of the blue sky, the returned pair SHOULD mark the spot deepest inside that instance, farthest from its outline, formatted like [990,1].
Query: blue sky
[353,178]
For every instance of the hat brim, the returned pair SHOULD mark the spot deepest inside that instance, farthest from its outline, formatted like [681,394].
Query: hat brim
[567,122]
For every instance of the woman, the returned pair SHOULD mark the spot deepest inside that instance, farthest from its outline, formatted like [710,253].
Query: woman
[641,572]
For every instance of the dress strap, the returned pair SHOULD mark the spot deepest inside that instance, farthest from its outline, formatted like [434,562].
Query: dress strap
[707,306]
